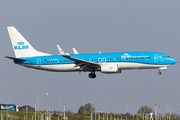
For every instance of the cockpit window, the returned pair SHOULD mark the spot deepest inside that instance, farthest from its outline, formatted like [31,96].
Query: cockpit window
[166,56]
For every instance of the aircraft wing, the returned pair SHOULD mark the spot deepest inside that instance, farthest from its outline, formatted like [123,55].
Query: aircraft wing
[79,62]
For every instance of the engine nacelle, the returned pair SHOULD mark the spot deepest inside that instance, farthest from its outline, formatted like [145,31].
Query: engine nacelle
[110,68]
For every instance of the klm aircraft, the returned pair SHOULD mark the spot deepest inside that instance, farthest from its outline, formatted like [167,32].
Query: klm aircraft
[108,63]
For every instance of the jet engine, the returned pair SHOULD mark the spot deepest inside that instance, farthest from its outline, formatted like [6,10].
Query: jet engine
[110,68]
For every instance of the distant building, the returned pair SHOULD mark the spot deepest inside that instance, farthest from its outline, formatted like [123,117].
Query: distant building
[26,108]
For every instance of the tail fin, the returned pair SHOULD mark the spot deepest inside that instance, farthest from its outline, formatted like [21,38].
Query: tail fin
[21,46]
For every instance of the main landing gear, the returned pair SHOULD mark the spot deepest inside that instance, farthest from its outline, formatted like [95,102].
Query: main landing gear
[92,74]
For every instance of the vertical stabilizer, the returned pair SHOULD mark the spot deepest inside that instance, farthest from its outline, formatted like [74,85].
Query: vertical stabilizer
[21,46]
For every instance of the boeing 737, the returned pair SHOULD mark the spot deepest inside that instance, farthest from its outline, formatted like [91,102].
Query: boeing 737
[108,63]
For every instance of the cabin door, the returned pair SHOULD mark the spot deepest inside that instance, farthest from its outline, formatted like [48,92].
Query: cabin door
[156,58]
[39,62]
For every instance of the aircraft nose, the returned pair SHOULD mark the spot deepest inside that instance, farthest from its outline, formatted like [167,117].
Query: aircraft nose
[174,61]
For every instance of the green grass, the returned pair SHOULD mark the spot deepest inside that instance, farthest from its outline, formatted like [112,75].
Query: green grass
[21,115]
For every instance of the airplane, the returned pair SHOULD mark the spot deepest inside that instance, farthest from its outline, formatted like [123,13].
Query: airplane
[108,63]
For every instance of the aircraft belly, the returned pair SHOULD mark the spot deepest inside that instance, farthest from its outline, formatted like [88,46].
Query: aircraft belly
[127,65]
[71,68]
[56,68]
[60,68]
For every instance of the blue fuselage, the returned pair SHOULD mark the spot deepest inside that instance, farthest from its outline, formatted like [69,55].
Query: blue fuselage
[124,60]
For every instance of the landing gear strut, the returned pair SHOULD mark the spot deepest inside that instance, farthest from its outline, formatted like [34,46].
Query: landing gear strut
[92,74]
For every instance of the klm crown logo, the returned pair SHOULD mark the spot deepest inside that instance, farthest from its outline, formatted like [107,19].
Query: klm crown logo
[125,55]
[110,67]
[21,46]
[20,43]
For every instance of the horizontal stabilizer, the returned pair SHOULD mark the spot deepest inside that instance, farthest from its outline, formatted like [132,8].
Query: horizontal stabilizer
[12,58]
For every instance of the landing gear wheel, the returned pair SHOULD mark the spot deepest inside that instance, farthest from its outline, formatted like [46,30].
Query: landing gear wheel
[94,75]
[91,75]
[159,73]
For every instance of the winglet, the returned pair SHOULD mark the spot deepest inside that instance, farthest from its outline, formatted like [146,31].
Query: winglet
[75,51]
[61,51]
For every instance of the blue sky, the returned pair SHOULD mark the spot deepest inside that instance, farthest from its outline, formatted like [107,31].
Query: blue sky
[90,27]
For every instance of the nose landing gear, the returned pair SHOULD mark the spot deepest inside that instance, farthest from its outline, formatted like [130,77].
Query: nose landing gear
[159,73]
[92,74]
